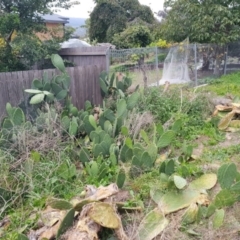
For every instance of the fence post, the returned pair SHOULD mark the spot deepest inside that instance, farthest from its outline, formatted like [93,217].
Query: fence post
[225,61]
[156,50]
[195,56]
[108,60]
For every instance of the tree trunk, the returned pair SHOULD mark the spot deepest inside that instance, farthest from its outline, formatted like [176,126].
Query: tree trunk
[217,64]
[141,67]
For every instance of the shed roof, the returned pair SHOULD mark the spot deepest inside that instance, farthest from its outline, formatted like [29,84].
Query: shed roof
[54,18]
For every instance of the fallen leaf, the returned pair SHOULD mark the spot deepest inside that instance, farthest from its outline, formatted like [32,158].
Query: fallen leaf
[51,232]
[104,192]
[50,216]
[234,124]
[224,122]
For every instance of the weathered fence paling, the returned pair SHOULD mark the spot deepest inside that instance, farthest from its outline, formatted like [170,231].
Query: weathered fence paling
[84,85]
[85,56]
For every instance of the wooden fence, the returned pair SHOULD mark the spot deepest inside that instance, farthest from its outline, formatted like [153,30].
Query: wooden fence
[84,85]
[86,56]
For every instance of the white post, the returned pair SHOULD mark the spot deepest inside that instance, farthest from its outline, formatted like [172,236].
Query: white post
[156,50]
[195,53]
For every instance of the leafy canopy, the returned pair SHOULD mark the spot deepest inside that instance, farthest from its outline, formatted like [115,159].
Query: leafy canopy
[19,21]
[111,17]
[208,21]
[133,37]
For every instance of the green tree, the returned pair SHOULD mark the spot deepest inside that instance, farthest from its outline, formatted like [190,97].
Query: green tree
[107,17]
[19,21]
[205,21]
[132,37]
[110,17]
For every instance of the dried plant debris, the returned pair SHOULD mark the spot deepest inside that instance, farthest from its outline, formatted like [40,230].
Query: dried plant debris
[85,216]
[229,117]
[81,218]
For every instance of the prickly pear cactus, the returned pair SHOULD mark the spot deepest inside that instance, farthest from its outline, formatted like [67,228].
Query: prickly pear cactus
[121,178]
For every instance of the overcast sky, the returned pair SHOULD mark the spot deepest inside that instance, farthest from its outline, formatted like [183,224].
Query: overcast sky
[86,6]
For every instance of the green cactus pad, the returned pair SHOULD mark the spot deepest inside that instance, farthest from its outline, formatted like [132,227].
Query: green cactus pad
[179,182]
[65,123]
[7,124]
[152,225]
[73,129]
[59,204]
[218,218]
[84,155]
[206,181]
[191,214]
[62,94]
[109,115]
[132,100]
[10,110]
[121,107]
[66,223]
[146,160]
[57,62]
[121,177]
[166,139]
[226,175]
[174,201]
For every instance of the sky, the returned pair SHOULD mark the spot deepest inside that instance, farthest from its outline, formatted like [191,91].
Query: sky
[86,6]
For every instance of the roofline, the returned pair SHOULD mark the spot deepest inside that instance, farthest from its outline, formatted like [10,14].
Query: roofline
[55,21]
[62,19]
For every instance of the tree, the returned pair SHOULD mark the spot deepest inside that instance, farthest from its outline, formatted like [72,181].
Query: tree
[110,17]
[19,21]
[106,17]
[134,36]
[204,21]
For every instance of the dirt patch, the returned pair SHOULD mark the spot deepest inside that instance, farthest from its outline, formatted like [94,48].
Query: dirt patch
[230,140]
[198,151]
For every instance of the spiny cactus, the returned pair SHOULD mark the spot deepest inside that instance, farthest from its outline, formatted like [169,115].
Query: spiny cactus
[66,223]
[84,155]
[121,178]
[112,86]
[13,121]
[226,175]
[167,167]
[46,89]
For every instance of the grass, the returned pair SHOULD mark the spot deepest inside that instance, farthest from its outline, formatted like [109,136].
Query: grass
[226,85]
[136,75]
[58,172]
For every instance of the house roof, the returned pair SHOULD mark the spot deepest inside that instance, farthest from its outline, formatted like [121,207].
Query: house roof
[54,18]
[74,43]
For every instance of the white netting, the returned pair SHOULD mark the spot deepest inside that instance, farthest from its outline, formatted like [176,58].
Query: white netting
[175,68]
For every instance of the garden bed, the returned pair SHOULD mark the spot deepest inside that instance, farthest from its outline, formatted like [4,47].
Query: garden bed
[146,165]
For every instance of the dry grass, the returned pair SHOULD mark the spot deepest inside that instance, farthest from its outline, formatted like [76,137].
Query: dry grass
[153,76]
[137,121]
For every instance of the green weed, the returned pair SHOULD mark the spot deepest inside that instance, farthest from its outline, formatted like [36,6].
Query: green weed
[226,85]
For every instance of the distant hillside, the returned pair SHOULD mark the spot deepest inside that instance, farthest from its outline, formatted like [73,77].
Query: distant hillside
[77,23]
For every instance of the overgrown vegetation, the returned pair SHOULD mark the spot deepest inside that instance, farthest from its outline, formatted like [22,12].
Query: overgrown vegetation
[20,46]
[62,168]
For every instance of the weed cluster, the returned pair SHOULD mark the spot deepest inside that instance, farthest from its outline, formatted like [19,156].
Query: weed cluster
[142,142]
